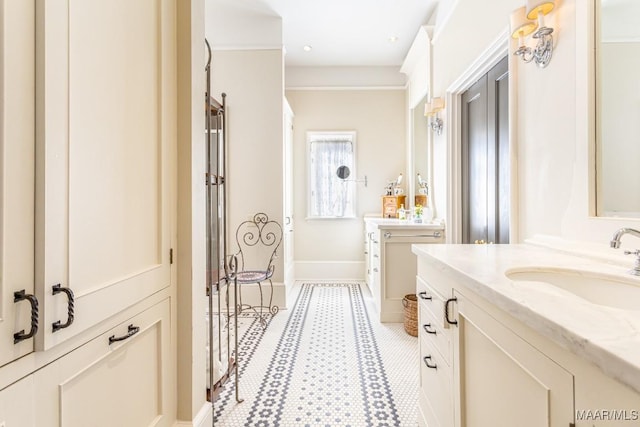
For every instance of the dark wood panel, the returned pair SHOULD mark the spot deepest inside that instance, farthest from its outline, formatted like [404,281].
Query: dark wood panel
[485,158]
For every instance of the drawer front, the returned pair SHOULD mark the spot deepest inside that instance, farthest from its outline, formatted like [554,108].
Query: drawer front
[432,302]
[122,383]
[431,320]
[17,405]
[438,337]
[435,277]
[436,382]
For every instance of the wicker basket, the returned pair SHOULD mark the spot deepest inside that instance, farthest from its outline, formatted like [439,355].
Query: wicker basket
[410,303]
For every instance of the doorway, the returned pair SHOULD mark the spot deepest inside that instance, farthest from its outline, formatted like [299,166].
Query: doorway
[485,163]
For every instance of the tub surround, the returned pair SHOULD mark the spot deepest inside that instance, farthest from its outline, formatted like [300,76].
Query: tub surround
[605,336]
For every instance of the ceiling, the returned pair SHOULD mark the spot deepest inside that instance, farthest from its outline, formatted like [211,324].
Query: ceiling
[340,32]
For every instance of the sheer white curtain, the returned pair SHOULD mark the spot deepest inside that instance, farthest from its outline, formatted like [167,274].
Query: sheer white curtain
[331,196]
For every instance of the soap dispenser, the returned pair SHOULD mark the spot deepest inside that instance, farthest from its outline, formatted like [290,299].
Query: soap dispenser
[402,214]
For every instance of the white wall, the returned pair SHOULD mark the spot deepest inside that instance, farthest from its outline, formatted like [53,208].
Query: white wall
[552,119]
[343,77]
[253,82]
[335,247]
[242,25]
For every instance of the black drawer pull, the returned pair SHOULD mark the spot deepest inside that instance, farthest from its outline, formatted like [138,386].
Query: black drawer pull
[446,311]
[423,295]
[21,296]
[427,330]
[426,362]
[132,331]
[57,325]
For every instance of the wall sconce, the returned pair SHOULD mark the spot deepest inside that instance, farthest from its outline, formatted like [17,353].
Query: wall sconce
[523,23]
[431,110]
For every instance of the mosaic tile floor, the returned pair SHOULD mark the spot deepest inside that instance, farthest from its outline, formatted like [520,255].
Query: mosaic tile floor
[324,362]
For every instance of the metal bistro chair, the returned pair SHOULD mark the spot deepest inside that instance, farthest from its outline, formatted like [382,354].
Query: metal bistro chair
[258,242]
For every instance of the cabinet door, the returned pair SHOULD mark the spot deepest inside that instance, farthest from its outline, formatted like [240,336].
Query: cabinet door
[125,383]
[18,405]
[106,99]
[398,269]
[17,57]
[502,381]
[375,267]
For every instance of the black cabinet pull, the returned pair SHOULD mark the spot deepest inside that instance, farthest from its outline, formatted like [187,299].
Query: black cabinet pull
[446,311]
[19,296]
[132,330]
[423,295]
[57,325]
[426,362]
[427,330]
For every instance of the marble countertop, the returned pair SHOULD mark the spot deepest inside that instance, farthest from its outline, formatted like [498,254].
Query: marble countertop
[392,223]
[606,336]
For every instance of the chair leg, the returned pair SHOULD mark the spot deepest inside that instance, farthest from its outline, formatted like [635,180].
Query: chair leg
[264,322]
[272,308]
[239,306]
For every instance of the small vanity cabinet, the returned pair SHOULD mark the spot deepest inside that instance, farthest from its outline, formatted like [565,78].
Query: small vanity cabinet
[391,205]
[482,366]
[463,349]
[391,267]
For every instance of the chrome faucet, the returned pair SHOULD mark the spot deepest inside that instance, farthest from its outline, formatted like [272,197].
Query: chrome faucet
[615,243]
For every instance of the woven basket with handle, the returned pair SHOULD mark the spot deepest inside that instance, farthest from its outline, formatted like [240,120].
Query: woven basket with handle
[410,303]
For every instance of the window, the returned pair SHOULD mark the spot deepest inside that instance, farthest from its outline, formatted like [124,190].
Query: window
[330,196]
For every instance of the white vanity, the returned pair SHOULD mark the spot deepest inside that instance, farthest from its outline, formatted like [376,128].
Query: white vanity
[390,265]
[520,335]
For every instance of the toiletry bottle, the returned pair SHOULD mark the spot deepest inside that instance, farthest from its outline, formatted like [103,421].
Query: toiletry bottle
[401,213]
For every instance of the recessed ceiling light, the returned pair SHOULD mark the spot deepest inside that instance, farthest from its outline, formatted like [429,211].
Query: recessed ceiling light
[307,48]
[393,39]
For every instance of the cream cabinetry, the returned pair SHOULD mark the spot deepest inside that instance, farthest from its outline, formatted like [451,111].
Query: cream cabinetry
[102,185]
[87,210]
[483,367]
[104,137]
[436,369]
[18,404]
[372,254]
[391,265]
[464,350]
[17,174]
[528,389]
[117,379]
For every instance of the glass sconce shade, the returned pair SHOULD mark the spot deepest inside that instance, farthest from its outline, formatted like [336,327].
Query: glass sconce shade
[437,104]
[537,7]
[427,109]
[520,25]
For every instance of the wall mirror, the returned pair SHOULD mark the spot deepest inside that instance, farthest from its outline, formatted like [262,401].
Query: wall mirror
[343,172]
[618,108]
[419,148]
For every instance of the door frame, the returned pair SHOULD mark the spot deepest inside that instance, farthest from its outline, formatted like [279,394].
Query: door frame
[496,51]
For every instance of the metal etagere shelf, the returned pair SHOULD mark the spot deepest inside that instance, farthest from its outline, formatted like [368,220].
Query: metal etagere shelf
[222,285]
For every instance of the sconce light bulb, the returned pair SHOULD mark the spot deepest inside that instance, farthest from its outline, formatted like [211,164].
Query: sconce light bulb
[540,18]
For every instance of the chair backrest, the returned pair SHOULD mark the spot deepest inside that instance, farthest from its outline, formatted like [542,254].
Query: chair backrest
[258,242]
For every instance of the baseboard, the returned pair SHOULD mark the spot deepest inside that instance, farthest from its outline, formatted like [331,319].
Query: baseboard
[204,418]
[330,270]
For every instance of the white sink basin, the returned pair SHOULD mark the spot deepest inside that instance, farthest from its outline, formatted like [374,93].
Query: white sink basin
[612,291]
